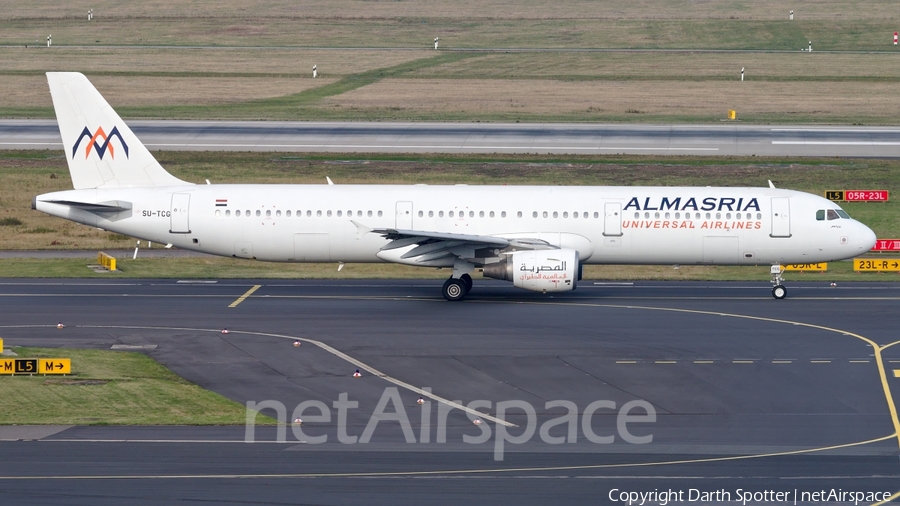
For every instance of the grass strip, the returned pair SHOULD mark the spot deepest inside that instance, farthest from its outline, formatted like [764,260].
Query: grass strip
[230,268]
[112,388]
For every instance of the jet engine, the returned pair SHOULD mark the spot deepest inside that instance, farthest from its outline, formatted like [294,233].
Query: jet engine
[555,270]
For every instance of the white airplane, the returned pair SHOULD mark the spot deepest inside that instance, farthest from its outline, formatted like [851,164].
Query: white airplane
[537,237]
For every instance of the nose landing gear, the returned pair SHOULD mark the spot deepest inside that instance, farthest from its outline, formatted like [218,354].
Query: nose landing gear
[778,291]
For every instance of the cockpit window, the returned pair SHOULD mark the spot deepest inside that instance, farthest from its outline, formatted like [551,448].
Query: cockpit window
[831,214]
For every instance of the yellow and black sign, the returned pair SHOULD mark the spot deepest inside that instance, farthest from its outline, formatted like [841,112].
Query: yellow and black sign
[836,195]
[876,264]
[36,366]
[820,267]
[55,366]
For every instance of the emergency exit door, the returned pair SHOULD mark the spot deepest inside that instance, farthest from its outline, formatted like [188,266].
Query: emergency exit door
[178,219]
[781,217]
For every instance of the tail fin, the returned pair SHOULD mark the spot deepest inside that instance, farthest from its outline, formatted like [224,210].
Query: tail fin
[101,150]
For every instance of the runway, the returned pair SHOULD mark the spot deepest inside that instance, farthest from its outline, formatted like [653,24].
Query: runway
[748,392]
[725,139]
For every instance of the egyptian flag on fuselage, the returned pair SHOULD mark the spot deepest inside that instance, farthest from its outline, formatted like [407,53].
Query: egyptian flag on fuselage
[221,202]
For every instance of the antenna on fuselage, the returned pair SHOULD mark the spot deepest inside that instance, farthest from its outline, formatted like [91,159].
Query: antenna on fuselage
[770,184]
[329,180]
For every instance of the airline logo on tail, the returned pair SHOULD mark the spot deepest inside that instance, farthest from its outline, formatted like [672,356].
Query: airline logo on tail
[94,144]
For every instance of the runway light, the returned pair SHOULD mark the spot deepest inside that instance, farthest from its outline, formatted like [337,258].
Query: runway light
[420,401]
[60,325]
[357,374]
[833,283]
[297,344]
[225,331]
[477,421]
[298,421]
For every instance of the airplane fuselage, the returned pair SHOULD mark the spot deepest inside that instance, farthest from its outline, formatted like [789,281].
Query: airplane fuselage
[606,225]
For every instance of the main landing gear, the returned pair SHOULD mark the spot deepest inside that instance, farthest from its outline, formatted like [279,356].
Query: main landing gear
[457,288]
[778,291]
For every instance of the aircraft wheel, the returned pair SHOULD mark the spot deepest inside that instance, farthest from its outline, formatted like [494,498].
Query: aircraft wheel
[779,291]
[454,289]
[465,278]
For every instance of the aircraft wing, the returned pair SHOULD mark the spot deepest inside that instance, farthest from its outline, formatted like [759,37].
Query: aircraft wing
[430,246]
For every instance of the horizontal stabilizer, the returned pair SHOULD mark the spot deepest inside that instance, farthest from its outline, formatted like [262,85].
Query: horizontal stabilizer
[115,206]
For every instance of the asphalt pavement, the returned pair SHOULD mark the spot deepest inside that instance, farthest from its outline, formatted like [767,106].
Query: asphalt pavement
[723,139]
[748,392]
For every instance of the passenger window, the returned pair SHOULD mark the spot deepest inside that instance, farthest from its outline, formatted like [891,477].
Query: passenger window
[503,214]
[268,213]
[308,213]
[287,214]
[421,214]
[228,213]
[646,216]
[218,213]
[727,216]
[339,213]
[545,214]
[471,214]
[656,215]
[258,213]
[278,214]
[832,215]
[534,214]
[708,216]
[369,214]
[450,214]
[667,216]
[555,214]
[820,215]
[758,216]
[431,214]
[677,215]
[481,214]
[492,214]
[318,214]
[565,214]
[380,214]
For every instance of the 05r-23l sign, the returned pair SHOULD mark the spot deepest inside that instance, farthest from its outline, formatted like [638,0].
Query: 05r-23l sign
[857,195]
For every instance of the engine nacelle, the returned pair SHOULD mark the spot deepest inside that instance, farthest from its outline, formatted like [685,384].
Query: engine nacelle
[554,270]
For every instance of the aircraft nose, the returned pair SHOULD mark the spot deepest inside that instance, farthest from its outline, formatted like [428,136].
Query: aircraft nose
[866,238]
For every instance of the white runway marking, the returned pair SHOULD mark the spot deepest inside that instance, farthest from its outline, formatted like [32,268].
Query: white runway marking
[836,143]
[420,146]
